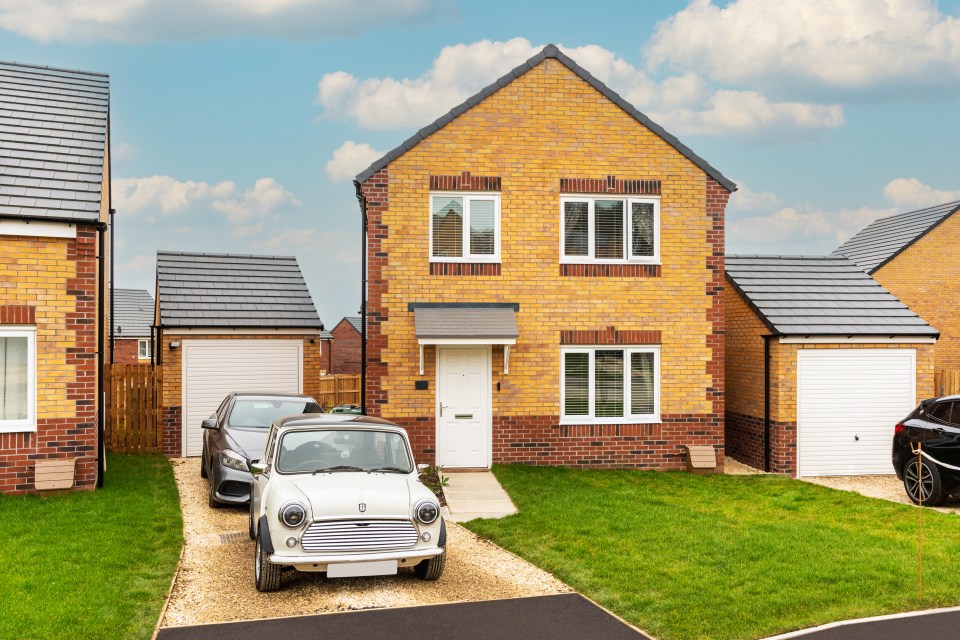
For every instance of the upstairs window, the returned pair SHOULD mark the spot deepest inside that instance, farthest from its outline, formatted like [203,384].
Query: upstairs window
[610,230]
[464,227]
[143,349]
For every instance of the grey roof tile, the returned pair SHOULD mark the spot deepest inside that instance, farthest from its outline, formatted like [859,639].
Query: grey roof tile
[884,239]
[53,125]
[549,51]
[133,311]
[820,295]
[224,290]
[465,321]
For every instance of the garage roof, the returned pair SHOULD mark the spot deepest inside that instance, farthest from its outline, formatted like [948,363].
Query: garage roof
[820,296]
[224,290]
[132,313]
[882,240]
[53,132]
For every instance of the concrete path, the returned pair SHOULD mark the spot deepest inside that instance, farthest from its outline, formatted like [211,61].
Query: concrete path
[475,494]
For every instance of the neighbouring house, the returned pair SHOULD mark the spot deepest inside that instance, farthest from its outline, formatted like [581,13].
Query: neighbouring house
[346,346]
[133,311]
[821,363]
[914,256]
[545,280]
[230,323]
[54,223]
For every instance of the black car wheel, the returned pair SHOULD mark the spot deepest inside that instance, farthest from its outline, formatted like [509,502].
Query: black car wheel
[921,475]
[203,461]
[250,530]
[211,494]
[431,568]
[266,575]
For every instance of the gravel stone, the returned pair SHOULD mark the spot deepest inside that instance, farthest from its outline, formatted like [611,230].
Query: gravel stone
[215,579]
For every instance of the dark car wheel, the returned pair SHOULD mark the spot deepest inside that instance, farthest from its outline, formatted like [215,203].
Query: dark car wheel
[431,568]
[250,530]
[203,462]
[211,495]
[920,475]
[266,575]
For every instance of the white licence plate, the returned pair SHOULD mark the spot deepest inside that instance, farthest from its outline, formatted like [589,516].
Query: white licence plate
[354,569]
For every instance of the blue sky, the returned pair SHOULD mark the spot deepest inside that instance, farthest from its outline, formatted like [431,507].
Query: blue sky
[237,128]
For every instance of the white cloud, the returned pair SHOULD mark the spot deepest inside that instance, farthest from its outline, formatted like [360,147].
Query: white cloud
[845,45]
[683,103]
[910,192]
[743,199]
[338,247]
[124,152]
[267,195]
[350,159]
[136,264]
[791,230]
[155,20]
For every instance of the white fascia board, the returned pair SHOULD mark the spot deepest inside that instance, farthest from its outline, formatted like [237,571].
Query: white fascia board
[857,340]
[170,331]
[36,229]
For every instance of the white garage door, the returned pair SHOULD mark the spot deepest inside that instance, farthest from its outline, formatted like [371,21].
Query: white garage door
[214,368]
[848,401]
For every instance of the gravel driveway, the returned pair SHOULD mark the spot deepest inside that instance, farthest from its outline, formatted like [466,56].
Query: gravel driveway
[215,580]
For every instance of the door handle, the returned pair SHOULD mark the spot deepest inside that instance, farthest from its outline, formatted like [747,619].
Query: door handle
[442,407]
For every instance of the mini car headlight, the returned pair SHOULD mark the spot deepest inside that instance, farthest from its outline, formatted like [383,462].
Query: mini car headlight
[233,460]
[293,514]
[427,511]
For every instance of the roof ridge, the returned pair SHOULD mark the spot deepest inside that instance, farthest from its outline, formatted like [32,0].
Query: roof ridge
[14,63]
[549,51]
[768,256]
[223,255]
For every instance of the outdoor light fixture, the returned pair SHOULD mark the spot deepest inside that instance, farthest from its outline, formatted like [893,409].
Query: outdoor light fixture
[174,346]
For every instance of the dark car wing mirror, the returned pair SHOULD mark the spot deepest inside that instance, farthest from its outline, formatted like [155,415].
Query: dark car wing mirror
[209,423]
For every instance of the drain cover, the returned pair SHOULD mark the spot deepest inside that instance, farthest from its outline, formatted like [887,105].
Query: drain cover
[234,537]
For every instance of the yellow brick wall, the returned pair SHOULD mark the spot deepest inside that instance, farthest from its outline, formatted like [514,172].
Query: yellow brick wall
[743,355]
[546,125]
[925,277]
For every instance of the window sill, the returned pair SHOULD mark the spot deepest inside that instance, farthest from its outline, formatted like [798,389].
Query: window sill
[4,428]
[575,422]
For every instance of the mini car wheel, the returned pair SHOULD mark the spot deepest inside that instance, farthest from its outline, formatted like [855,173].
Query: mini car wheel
[920,474]
[250,530]
[211,497]
[266,575]
[431,568]
[203,462]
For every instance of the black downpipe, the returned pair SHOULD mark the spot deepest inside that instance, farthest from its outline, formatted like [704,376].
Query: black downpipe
[112,317]
[101,403]
[363,297]
[766,403]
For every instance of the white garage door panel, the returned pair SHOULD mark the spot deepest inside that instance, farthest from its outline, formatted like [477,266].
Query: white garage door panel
[214,368]
[848,401]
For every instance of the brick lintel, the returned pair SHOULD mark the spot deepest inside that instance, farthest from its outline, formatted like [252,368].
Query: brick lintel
[610,184]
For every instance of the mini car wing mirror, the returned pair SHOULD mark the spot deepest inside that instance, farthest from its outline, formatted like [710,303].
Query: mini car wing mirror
[256,468]
[209,423]
[421,468]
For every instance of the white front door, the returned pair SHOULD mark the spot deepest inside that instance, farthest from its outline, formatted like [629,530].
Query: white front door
[463,407]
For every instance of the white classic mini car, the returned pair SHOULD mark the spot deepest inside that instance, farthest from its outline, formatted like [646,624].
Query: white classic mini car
[341,494]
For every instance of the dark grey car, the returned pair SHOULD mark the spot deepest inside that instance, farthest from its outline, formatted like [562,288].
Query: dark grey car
[235,435]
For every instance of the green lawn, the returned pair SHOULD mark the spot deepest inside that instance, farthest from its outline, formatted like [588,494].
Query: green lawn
[91,564]
[684,556]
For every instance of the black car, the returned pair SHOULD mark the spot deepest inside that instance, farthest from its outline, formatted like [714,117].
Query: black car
[934,427]
[235,434]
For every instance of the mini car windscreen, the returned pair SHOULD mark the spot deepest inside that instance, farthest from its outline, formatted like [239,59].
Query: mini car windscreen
[336,450]
[258,413]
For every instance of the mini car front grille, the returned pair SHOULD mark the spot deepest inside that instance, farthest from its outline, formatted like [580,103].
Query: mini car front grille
[360,535]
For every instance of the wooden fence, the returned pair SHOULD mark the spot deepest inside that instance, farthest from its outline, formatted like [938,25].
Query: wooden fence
[339,389]
[946,382]
[133,415]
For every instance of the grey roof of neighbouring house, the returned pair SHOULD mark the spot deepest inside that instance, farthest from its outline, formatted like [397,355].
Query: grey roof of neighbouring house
[549,51]
[820,296]
[355,323]
[53,130]
[132,313]
[222,290]
[882,240]
[480,321]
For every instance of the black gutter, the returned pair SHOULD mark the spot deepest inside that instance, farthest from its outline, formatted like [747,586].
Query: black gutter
[97,224]
[362,200]
[766,402]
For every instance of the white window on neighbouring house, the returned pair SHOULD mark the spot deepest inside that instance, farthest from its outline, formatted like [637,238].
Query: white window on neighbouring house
[464,227]
[143,349]
[604,385]
[609,230]
[18,380]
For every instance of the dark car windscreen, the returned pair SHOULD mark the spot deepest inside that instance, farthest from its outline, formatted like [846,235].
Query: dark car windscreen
[343,450]
[258,413]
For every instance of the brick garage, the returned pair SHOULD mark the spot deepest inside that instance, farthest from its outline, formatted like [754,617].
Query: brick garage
[546,131]
[346,347]
[782,312]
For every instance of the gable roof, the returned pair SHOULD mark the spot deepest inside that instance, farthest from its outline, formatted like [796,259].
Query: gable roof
[223,290]
[132,313]
[882,240]
[549,51]
[353,322]
[820,296]
[53,131]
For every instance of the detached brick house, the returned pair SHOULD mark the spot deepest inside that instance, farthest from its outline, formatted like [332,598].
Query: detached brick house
[914,256]
[54,212]
[545,280]
[133,311]
[346,346]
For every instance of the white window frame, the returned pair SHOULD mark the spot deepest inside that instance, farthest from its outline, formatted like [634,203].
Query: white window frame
[468,197]
[627,230]
[30,423]
[626,419]
[143,348]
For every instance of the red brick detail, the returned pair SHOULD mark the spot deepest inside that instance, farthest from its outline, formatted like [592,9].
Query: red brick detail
[716,197]
[376,193]
[345,349]
[610,184]
[464,268]
[172,432]
[611,270]
[745,442]
[18,314]
[465,182]
[127,351]
[610,335]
